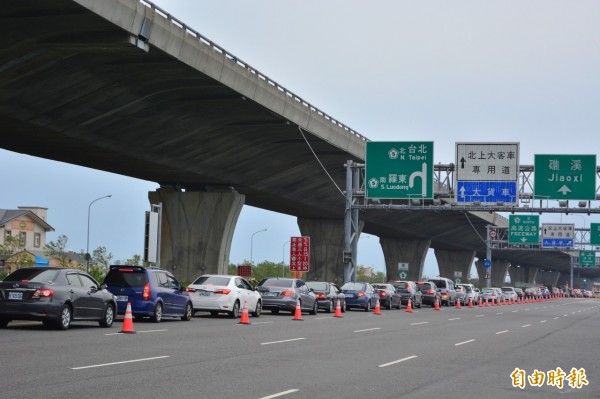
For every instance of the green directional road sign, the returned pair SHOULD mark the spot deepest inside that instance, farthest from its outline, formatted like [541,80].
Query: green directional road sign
[595,234]
[402,170]
[565,177]
[587,258]
[524,229]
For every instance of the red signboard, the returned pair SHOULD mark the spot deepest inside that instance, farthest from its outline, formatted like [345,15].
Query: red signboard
[244,270]
[299,254]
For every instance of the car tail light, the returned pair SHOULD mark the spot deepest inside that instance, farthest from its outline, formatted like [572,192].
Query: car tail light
[287,293]
[43,293]
[360,294]
[429,292]
[146,293]
[125,269]
[493,294]
[321,296]
[381,293]
[190,290]
[223,291]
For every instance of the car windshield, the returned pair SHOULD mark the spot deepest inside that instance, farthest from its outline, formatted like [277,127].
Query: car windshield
[126,279]
[33,275]
[467,288]
[212,280]
[354,286]
[317,285]
[275,282]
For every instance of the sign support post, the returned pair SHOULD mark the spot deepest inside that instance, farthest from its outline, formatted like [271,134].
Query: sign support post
[488,256]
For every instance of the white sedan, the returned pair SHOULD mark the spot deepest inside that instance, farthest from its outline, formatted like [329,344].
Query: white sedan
[221,293]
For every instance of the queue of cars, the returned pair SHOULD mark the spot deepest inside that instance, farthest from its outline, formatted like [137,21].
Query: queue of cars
[59,296]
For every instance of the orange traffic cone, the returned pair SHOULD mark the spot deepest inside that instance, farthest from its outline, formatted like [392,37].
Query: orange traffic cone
[377,308]
[338,310]
[409,306]
[437,305]
[457,304]
[480,302]
[471,302]
[244,319]
[128,321]
[298,312]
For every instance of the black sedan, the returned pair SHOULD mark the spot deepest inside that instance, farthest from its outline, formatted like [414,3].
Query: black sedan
[388,297]
[328,295]
[56,297]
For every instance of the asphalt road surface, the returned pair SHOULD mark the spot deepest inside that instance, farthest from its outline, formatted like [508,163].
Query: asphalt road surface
[452,353]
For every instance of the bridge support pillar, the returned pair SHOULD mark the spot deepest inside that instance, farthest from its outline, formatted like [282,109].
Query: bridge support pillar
[196,230]
[397,251]
[517,275]
[326,248]
[548,278]
[499,269]
[531,274]
[450,261]
[480,271]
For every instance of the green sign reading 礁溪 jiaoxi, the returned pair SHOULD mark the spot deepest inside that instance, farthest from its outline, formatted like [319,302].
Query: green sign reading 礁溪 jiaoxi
[565,177]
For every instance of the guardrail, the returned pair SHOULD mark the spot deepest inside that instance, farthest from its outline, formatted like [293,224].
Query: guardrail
[249,68]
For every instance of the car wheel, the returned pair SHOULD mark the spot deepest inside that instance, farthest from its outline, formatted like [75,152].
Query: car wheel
[389,305]
[158,313]
[189,312]
[344,307]
[3,323]
[275,311]
[258,309]
[315,308]
[64,318]
[109,317]
[420,304]
[331,307]
[235,312]
[368,307]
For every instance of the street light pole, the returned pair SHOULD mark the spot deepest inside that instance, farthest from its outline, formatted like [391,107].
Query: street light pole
[87,248]
[252,243]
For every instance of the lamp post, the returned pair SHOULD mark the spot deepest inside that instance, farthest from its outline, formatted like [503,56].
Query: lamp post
[252,243]
[283,259]
[87,248]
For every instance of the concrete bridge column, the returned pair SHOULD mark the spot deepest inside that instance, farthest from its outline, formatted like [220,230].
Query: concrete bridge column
[408,251]
[326,248]
[450,261]
[517,275]
[499,269]
[196,230]
[480,271]
[548,278]
[531,274]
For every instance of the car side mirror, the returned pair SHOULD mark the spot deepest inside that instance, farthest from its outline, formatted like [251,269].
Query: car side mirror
[103,286]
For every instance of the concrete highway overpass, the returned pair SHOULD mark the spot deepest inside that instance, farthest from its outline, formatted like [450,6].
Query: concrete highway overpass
[121,86]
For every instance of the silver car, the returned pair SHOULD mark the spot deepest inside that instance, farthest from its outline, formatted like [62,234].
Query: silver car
[284,293]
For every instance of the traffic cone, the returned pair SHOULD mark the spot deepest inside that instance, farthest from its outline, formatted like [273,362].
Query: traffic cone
[298,312]
[457,304]
[437,304]
[409,306]
[377,308]
[470,302]
[480,302]
[244,319]
[128,321]
[486,302]
[338,310]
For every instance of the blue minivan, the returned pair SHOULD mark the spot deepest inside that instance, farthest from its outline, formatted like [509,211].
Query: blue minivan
[153,293]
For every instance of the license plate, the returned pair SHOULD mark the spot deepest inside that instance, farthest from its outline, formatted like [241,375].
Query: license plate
[203,293]
[349,295]
[17,296]
[268,294]
[122,298]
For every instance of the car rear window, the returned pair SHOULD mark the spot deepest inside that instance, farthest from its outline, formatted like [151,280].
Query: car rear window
[275,282]
[126,279]
[440,283]
[401,285]
[317,286]
[354,286]
[507,290]
[487,290]
[33,275]
[380,286]
[424,286]
[212,280]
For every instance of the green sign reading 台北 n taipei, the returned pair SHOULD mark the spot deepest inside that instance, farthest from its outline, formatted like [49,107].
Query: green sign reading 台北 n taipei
[399,169]
[565,177]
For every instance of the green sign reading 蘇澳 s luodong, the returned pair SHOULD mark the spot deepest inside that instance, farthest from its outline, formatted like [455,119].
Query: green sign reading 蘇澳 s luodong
[524,229]
[595,234]
[399,169]
[565,177]
[587,258]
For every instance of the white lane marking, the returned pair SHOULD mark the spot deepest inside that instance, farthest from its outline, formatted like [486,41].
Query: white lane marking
[543,321]
[456,318]
[421,322]
[526,309]
[279,342]
[500,313]
[565,315]
[526,325]
[115,363]
[480,315]
[515,311]
[501,332]
[398,361]
[276,395]
[324,318]
[556,318]
[369,329]
[259,322]
[140,332]
[464,342]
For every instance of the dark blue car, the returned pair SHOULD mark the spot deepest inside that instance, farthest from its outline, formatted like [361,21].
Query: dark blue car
[360,295]
[153,293]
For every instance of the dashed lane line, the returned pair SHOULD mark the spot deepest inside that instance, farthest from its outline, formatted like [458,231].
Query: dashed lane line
[398,361]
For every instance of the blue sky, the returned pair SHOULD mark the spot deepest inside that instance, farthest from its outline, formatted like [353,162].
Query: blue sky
[460,71]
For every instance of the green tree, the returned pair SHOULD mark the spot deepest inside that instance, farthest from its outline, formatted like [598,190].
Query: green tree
[14,247]
[58,250]
[101,258]
[136,260]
